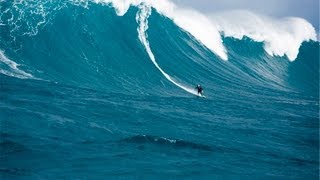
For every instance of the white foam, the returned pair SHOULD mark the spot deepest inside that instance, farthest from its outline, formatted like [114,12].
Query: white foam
[190,20]
[13,69]
[280,36]
[142,19]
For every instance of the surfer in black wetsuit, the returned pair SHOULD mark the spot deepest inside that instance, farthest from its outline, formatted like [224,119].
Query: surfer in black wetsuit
[199,89]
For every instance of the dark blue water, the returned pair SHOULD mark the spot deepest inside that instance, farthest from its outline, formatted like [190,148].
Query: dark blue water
[87,102]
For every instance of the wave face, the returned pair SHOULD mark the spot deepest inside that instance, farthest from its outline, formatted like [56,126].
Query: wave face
[106,88]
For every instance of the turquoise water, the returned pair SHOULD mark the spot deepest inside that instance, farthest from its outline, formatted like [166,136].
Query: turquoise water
[86,101]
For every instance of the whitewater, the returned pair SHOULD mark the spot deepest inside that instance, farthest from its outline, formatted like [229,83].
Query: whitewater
[95,89]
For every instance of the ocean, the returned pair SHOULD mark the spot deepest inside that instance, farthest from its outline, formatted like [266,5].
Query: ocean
[105,90]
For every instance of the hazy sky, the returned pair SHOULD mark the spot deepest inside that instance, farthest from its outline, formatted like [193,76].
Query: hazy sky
[307,9]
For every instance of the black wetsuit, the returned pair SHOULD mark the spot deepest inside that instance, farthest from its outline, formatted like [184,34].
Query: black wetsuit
[199,88]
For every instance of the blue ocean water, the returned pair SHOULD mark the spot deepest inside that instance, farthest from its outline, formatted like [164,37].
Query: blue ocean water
[81,99]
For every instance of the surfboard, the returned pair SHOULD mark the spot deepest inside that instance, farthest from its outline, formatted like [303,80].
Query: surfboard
[199,95]
[194,92]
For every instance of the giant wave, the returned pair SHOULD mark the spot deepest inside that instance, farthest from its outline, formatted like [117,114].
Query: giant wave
[283,41]
[96,88]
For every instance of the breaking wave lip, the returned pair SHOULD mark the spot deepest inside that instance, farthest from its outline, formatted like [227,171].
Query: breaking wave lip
[162,141]
[189,20]
[12,68]
[281,37]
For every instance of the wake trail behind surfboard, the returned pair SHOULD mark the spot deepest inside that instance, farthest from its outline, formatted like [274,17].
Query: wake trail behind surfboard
[142,19]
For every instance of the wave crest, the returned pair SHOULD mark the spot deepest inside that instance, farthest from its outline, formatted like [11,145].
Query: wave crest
[280,36]
[190,20]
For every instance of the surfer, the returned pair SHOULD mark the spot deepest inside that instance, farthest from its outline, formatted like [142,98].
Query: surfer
[199,89]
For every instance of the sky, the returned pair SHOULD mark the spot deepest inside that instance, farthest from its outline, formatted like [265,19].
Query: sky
[307,9]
